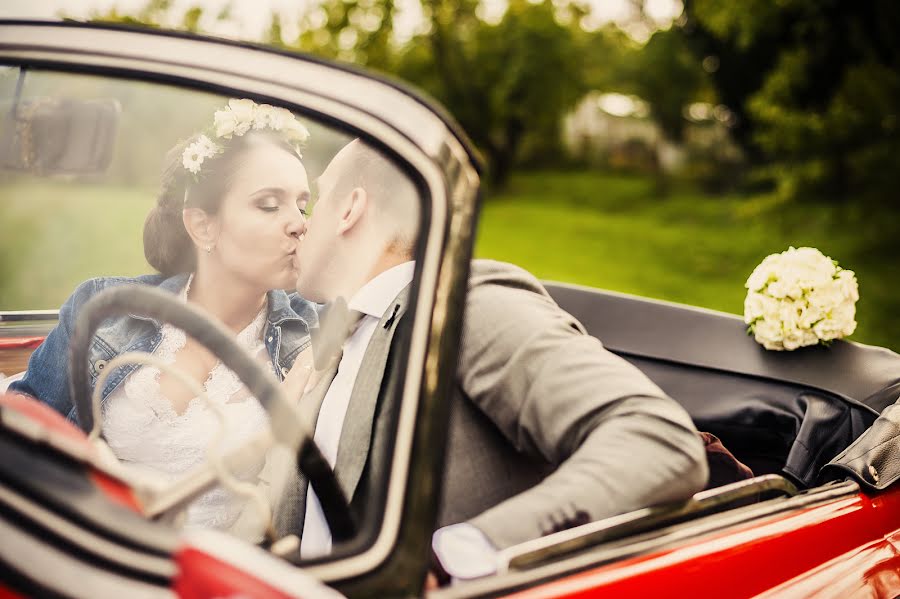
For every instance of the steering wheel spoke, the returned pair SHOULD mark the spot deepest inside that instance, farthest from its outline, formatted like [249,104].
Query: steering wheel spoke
[289,426]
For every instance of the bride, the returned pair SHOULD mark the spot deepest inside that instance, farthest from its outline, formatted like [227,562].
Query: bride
[222,235]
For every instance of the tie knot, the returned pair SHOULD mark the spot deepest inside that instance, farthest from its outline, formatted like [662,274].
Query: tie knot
[336,323]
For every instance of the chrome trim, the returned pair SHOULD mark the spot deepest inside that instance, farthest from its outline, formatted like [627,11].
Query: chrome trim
[33,559]
[650,542]
[76,43]
[90,543]
[27,315]
[32,430]
[552,546]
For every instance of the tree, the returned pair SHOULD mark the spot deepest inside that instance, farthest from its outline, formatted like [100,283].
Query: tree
[357,31]
[815,84]
[509,84]
[668,77]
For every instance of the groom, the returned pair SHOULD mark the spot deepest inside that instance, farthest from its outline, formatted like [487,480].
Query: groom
[547,430]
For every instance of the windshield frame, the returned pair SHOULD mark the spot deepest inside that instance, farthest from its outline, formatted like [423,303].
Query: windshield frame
[426,149]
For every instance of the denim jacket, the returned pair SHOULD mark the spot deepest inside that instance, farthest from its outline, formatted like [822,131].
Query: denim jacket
[286,334]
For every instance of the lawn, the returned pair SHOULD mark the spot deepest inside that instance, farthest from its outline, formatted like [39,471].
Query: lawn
[55,235]
[594,229]
[614,232]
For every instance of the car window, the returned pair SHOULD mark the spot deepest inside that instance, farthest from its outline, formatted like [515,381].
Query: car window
[296,236]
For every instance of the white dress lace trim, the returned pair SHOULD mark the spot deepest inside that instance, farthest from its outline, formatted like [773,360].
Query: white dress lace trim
[144,430]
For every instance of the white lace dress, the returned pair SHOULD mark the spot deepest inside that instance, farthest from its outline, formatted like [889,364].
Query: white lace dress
[145,433]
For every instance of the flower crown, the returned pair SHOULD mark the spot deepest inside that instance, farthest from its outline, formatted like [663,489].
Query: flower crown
[239,117]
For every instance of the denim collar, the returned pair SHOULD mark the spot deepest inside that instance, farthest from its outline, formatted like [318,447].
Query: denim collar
[279,311]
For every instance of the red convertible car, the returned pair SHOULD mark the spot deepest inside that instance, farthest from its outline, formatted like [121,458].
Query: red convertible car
[89,112]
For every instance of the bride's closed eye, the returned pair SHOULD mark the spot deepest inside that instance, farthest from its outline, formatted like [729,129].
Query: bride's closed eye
[267,202]
[268,207]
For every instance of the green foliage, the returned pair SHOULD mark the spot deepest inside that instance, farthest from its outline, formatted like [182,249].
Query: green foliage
[669,77]
[155,14]
[613,232]
[358,31]
[816,84]
[508,84]
[43,259]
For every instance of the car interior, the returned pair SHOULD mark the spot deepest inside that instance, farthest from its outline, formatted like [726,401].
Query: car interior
[76,144]
[778,412]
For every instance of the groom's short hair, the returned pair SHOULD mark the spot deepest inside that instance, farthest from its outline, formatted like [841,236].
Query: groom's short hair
[391,192]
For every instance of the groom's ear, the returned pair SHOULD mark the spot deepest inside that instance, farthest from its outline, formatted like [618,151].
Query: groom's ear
[199,226]
[353,210]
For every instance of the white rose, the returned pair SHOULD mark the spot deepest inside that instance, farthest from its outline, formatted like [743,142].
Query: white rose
[781,288]
[808,267]
[845,318]
[295,131]
[846,280]
[242,108]
[827,329]
[225,122]
[768,333]
[809,315]
[791,342]
[828,296]
[763,273]
[279,118]
[243,111]
[789,316]
[757,305]
[262,116]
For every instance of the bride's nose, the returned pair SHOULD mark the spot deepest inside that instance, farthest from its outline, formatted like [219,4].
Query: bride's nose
[296,226]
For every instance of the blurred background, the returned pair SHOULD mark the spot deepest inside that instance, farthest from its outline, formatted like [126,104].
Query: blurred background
[655,147]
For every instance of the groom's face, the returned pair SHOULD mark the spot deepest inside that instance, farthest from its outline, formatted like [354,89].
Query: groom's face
[319,255]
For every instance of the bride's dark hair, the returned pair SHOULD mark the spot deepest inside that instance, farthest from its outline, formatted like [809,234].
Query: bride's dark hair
[167,245]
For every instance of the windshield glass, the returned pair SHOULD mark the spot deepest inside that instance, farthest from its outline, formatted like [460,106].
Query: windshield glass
[291,234]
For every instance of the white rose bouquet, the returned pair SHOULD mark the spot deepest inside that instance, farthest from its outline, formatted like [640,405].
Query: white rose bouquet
[800,297]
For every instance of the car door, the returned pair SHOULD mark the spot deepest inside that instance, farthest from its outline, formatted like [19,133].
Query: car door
[90,112]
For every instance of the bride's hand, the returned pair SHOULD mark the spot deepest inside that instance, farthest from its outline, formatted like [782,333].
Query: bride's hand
[300,378]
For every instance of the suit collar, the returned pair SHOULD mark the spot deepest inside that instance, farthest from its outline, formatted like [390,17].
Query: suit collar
[356,434]
[375,297]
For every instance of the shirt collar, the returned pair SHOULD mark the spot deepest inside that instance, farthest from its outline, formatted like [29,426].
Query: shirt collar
[375,297]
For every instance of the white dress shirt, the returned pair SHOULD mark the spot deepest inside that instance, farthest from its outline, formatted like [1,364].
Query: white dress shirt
[373,300]
[463,550]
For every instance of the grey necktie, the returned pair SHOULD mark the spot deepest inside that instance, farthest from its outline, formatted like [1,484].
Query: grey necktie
[336,323]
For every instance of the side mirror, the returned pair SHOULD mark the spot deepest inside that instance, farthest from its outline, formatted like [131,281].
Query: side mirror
[59,136]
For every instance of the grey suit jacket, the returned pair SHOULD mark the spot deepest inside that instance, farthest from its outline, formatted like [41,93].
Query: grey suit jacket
[365,425]
[548,429]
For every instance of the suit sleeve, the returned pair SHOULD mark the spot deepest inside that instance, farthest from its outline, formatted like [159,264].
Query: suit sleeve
[619,443]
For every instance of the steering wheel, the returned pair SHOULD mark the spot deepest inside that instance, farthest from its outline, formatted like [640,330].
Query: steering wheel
[287,423]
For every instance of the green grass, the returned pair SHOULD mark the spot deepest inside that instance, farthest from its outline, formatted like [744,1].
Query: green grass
[55,235]
[614,232]
[606,231]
